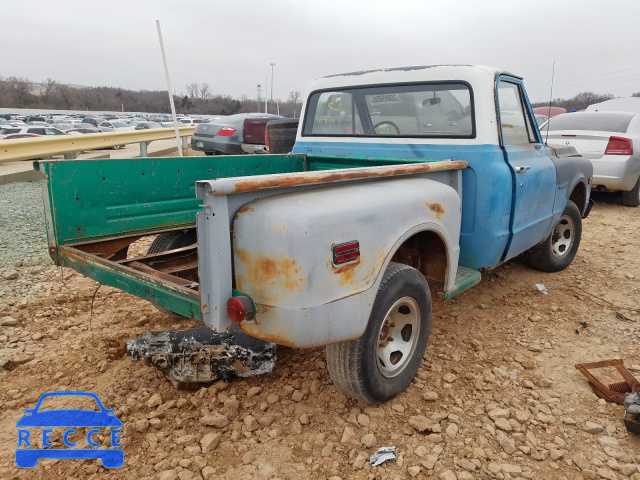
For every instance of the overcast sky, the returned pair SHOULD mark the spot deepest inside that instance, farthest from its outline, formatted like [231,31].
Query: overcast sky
[230,44]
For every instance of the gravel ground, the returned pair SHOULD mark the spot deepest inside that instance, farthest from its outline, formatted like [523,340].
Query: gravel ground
[23,238]
[497,396]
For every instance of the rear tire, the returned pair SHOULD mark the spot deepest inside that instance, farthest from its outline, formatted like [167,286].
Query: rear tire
[561,246]
[632,197]
[170,241]
[384,360]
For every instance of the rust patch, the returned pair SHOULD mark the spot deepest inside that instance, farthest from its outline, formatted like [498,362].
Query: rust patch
[244,210]
[269,278]
[346,273]
[293,179]
[436,208]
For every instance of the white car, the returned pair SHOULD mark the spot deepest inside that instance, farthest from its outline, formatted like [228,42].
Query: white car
[611,140]
[114,126]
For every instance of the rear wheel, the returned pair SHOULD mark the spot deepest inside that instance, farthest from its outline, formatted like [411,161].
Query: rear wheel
[170,241]
[384,360]
[561,246]
[632,197]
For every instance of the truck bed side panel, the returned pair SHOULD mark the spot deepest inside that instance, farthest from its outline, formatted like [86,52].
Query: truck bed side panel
[97,199]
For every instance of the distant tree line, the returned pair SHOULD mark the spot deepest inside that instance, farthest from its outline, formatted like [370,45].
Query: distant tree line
[580,101]
[20,92]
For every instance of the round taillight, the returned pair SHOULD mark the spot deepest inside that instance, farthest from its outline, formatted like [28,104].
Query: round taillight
[240,308]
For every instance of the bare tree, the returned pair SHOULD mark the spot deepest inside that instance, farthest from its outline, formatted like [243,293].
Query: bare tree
[64,92]
[193,90]
[294,97]
[47,89]
[205,91]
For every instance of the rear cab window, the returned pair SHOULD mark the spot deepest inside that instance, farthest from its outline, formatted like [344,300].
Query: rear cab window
[430,110]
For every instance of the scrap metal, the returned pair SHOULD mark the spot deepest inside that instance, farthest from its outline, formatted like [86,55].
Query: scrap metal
[197,357]
[615,392]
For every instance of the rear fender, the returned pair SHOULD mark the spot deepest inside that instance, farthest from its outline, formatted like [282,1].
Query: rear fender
[283,253]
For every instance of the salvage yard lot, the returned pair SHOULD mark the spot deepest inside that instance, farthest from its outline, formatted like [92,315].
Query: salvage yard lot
[497,395]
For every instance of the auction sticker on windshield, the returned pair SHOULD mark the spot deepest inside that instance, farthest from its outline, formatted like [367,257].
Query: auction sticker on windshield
[46,431]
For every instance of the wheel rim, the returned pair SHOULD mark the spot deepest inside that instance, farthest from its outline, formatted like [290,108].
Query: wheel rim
[563,237]
[398,337]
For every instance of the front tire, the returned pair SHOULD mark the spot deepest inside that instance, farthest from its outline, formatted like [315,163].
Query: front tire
[561,246]
[632,197]
[384,360]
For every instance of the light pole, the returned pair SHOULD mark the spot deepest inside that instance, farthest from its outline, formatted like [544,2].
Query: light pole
[272,65]
[258,87]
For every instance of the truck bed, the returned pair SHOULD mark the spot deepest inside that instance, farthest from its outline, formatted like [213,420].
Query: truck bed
[97,209]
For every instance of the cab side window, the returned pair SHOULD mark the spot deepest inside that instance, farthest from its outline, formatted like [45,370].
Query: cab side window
[515,123]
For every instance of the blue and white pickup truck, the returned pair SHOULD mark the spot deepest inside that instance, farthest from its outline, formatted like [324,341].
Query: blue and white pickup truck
[399,179]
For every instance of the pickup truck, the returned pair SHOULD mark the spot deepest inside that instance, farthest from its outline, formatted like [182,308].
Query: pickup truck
[400,179]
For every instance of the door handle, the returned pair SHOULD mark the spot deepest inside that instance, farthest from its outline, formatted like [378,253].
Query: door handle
[521,169]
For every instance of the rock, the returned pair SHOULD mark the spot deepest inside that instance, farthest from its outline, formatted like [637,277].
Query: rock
[249,457]
[528,364]
[511,469]
[608,442]
[169,475]
[10,275]
[361,459]
[569,421]
[327,449]
[421,451]
[8,321]
[590,474]
[413,471]
[253,391]
[465,476]
[272,399]
[161,465]
[593,428]
[192,450]
[635,476]
[556,454]
[581,461]
[209,442]
[430,396]
[506,443]
[363,420]
[452,430]
[208,473]
[503,424]
[186,440]
[304,419]
[297,396]
[250,423]
[154,401]
[368,440]
[266,420]
[434,438]
[155,423]
[447,475]
[215,420]
[430,461]
[628,469]
[449,378]
[498,413]
[466,465]
[348,435]
[420,423]
[141,425]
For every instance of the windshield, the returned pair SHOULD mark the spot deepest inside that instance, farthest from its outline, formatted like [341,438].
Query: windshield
[600,121]
[425,110]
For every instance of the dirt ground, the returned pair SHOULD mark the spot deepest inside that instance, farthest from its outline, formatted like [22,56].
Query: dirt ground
[496,397]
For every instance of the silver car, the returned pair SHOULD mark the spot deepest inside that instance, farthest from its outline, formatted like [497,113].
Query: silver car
[611,140]
[114,126]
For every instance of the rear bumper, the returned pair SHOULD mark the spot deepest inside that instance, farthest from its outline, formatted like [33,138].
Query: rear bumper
[252,149]
[615,172]
[222,145]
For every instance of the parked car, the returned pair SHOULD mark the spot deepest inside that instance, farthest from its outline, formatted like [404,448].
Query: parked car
[93,121]
[114,126]
[541,119]
[48,130]
[83,130]
[608,140]
[168,125]
[147,125]
[13,136]
[232,135]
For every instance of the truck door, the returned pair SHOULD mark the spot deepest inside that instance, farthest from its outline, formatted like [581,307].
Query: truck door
[532,171]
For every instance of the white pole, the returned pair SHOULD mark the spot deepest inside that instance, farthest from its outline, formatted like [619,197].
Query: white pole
[166,74]
[266,86]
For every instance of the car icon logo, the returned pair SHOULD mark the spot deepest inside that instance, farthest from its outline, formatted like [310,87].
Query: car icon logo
[68,420]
